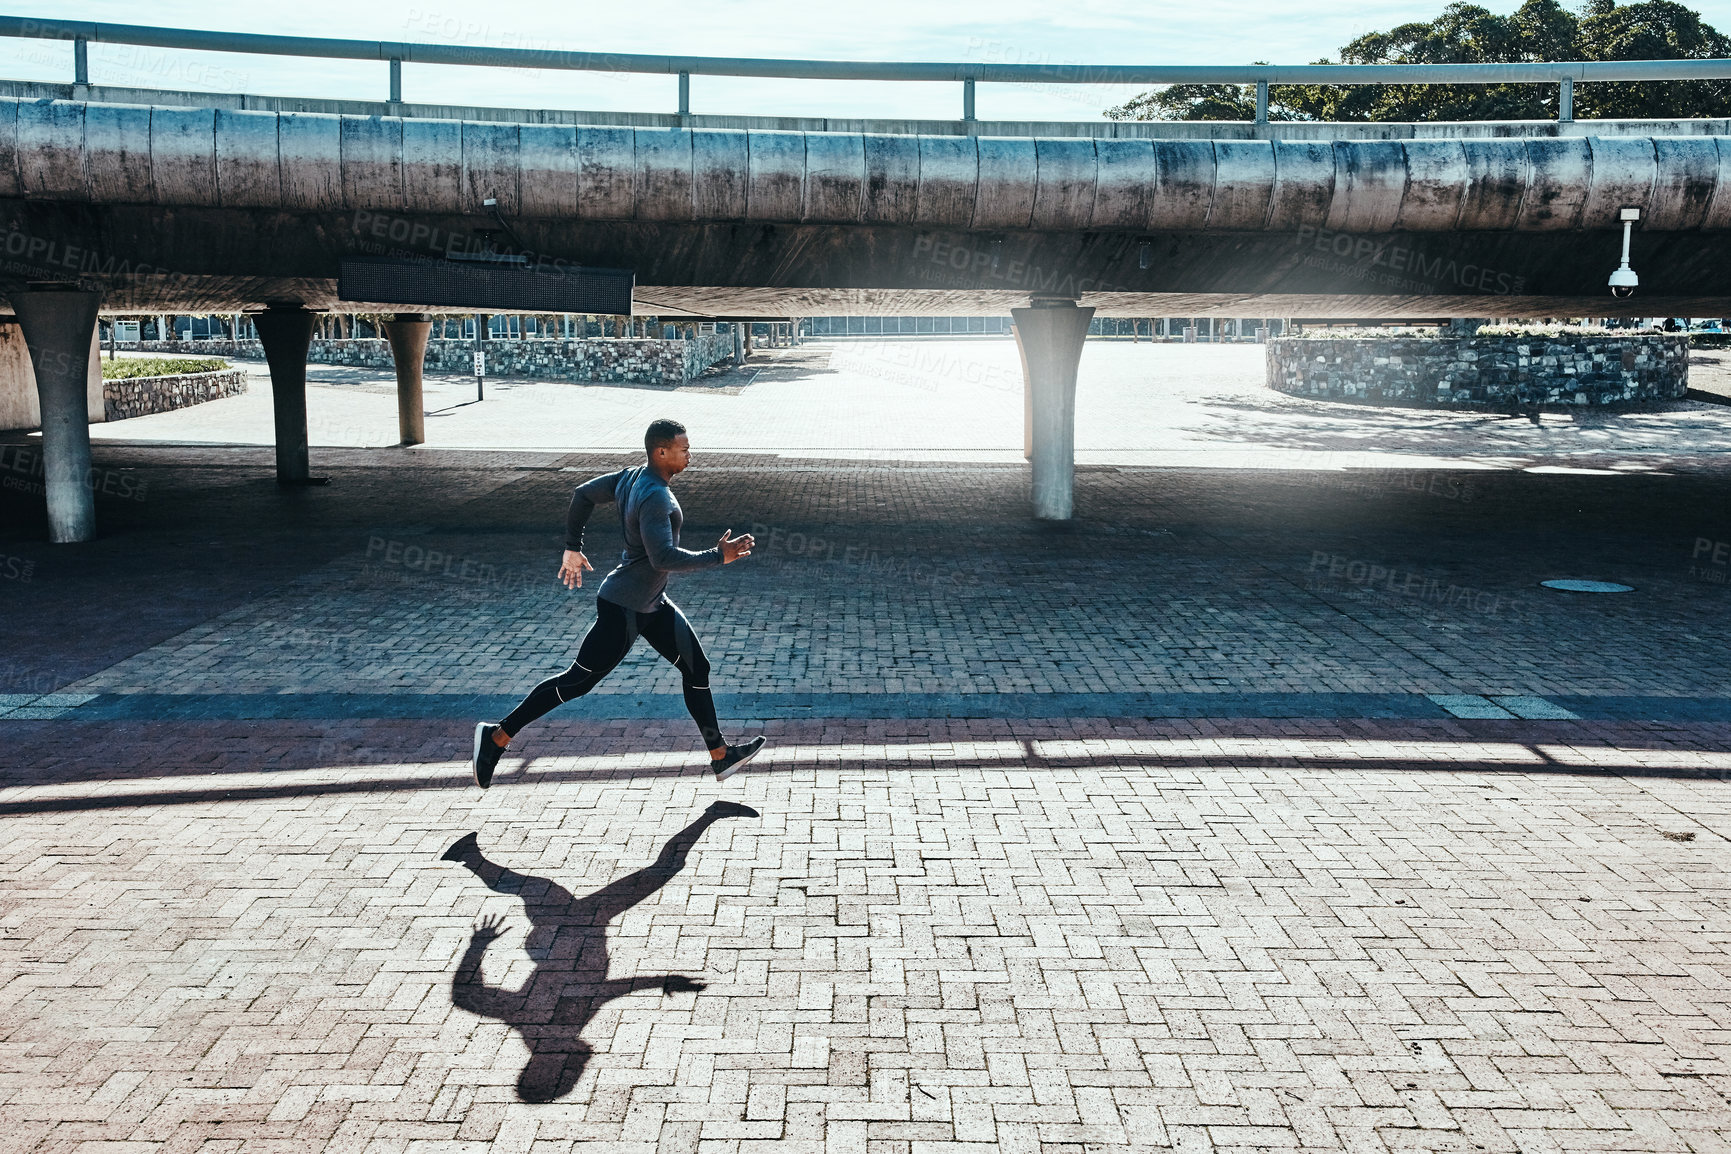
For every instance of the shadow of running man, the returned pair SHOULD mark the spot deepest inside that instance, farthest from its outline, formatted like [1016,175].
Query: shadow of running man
[568,944]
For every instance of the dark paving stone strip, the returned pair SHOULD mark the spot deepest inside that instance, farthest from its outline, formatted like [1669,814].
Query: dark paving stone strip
[1614,708]
[611,707]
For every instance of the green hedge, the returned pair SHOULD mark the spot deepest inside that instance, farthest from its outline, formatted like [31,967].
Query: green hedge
[121,370]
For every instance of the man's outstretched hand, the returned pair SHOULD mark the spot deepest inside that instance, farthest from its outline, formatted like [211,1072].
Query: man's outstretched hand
[733,548]
[571,569]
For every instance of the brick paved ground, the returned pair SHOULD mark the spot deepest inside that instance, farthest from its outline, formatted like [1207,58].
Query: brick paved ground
[1055,936]
[904,579]
[1177,829]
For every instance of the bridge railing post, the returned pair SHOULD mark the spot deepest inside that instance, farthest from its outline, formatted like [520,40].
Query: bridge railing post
[1262,102]
[80,61]
[685,94]
[1566,100]
[396,80]
[968,99]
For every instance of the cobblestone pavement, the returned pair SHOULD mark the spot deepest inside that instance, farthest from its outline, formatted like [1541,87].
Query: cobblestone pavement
[1259,809]
[437,578]
[936,937]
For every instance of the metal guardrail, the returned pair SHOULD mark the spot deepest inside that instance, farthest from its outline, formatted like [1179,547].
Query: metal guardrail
[396,53]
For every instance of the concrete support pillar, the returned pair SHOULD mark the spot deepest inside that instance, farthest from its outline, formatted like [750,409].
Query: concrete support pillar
[286,332]
[408,333]
[738,342]
[58,327]
[1049,336]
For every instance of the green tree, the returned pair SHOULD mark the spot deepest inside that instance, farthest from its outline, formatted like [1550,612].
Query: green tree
[1196,102]
[1653,30]
[1541,30]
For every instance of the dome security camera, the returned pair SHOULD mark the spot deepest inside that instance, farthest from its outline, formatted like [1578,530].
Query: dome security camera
[1623,280]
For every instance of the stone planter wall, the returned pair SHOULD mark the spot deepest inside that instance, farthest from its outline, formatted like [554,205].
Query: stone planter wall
[626,359]
[141,396]
[1483,372]
[213,347]
[704,350]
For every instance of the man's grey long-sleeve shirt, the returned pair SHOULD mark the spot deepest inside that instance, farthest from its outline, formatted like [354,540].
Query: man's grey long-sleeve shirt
[651,518]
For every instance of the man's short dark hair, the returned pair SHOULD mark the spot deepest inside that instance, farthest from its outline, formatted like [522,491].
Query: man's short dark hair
[661,435]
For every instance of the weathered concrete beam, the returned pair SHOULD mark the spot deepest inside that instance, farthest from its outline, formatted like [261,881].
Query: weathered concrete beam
[387,170]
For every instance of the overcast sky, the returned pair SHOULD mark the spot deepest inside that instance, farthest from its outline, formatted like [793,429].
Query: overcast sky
[1078,31]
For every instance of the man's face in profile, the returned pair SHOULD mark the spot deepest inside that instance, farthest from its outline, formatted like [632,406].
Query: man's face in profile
[675,458]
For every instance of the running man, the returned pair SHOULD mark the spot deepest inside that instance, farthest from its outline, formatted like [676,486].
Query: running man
[632,601]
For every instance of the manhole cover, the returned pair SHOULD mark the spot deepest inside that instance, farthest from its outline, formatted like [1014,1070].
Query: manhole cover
[1574,585]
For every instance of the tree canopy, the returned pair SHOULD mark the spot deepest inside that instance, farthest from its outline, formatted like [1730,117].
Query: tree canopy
[1541,30]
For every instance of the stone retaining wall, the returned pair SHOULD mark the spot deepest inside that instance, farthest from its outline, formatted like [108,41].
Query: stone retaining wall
[625,359]
[212,347]
[704,350]
[141,396]
[1483,372]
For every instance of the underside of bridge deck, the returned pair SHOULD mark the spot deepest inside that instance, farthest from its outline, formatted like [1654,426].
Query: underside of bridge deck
[153,258]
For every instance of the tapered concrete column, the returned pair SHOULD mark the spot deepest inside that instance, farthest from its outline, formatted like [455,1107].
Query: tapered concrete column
[286,332]
[58,325]
[1049,336]
[408,333]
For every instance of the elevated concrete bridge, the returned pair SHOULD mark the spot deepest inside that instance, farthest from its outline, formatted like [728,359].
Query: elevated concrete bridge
[220,209]
[174,204]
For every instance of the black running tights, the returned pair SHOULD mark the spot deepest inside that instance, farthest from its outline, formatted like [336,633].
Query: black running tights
[606,645]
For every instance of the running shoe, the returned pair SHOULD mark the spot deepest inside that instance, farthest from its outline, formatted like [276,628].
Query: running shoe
[737,755]
[487,753]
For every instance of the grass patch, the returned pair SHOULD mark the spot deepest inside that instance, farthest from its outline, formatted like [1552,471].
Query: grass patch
[1561,331]
[124,370]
